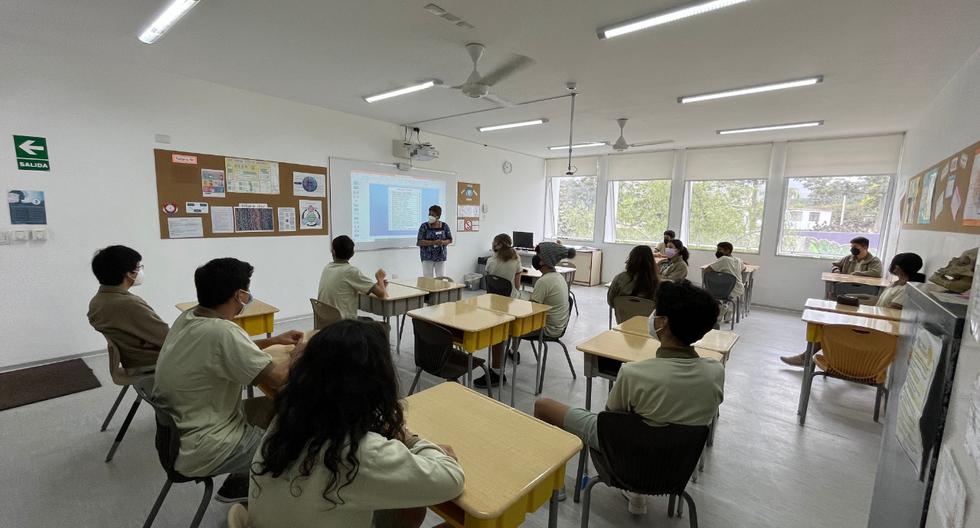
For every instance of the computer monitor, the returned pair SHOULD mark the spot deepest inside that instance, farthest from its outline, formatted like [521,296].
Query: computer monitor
[523,240]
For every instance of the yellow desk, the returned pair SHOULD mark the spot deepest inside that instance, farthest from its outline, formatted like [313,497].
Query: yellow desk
[606,352]
[399,301]
[831,279]
[439,291]
[874,312]
[533,275]
[717,340]
[257,319]
[473,328]
[483,433]
[815,321]
[528,317]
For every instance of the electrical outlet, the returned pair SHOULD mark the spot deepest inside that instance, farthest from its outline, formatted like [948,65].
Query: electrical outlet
[21,235]
[39,234]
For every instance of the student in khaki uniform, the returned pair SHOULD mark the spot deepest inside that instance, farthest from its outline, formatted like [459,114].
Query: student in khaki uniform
[505,263]
[341,282]
[661,246]
[640,279]
[675,267]
[675,387]
[204,362]
[727,263]
[859,262]
[339,454]
[121,316]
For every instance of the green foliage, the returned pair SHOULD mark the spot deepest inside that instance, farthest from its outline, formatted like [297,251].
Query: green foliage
[858,198]
[641,210]
[726,210]
[575,198]
[808,246]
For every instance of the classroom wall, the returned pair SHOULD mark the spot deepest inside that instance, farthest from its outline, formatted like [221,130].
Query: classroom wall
[100,118]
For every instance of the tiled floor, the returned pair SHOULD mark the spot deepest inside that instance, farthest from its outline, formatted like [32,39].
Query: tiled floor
[763,471]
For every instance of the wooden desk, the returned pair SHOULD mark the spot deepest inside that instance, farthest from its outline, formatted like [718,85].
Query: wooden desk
[528,317]
[874,312]
[257,319]
[534,275]
[830,279]
[439,291]
[486,434]
[815,321]
[473,328]
[399,301]
[717,340]
[621,347]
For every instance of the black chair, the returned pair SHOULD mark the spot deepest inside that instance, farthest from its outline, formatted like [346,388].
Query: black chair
[642,459]
[570,279]
[720,286]
[436,354]
[499,285]
[543,357]
[168,445]
[628,306]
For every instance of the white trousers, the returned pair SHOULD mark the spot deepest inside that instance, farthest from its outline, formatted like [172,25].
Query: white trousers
[433,269]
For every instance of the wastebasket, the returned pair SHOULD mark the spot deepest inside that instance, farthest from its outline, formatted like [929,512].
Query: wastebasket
[472,281]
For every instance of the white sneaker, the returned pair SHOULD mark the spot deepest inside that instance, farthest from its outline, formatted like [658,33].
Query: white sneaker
[637,504]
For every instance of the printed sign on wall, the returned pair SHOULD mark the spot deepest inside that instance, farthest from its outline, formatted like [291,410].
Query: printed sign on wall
[467,207]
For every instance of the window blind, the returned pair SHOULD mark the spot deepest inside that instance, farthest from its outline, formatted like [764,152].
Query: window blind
[747,162]
[844,157]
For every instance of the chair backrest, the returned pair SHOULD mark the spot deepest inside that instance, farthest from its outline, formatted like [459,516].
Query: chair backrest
[433,345]
[119,374]
[324,315]
[718,284]
[499,285]
[645,459]
[167,438]
[237,516]
[850,288]
[627,306]
[858,353]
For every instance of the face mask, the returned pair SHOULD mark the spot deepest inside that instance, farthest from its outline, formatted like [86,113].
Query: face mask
[666,240]
[652,325]
[138,279]
[432,219]
[855,251]
[719,254]
[245,304]
[536,262]
[670,252]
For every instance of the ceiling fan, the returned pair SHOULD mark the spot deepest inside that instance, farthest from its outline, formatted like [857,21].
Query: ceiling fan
[621,145]
[479,86]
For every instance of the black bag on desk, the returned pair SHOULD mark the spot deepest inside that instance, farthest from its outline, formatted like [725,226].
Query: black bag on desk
[957,276]
[848,300]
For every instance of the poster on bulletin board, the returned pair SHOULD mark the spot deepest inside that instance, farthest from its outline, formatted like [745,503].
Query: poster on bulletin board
[945,196]
[467,207]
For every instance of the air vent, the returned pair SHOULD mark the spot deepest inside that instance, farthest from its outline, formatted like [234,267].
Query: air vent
[449,17]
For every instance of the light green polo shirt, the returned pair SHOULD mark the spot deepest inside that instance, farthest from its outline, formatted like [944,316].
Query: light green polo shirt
[340,285]
[676,387]
[505,270]
[551,289]
[202,367]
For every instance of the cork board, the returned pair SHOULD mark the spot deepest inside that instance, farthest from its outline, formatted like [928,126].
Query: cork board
[946,196]
[213,196]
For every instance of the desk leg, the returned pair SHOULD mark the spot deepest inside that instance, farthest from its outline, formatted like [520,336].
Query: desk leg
[469,370]
[805,388]
[401,332]
[553,510]
[588,393]
[610,317]
[490,368]
[539,383]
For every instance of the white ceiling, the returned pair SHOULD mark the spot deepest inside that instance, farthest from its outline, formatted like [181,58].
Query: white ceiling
[883,60]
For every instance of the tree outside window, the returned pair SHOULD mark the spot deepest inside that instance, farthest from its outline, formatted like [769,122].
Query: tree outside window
[639,210]
[574,203]
[725,210]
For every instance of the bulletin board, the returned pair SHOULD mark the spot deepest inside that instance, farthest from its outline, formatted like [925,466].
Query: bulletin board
[467,207]
[946,196]
[213,196]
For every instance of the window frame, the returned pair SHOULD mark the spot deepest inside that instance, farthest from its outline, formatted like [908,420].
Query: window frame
[551,211]
[610,212]
[886,206]
[686,221]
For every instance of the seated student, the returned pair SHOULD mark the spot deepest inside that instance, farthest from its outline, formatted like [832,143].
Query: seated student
[904,266]
[505,263]
[661,246]
[134,328]
[675,387]
[341,282]
[550,289]
[859,262]
[203,365]
[338,453]
[675,267]
[726,263]
[640,278]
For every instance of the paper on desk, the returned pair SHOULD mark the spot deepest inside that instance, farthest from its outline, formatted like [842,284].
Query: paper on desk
[950,494]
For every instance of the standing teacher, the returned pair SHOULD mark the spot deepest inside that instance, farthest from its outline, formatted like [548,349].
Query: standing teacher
[434,236]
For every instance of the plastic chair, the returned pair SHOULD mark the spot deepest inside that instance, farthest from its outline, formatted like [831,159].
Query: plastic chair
[543,357]
[168,445]
[324,315]
[499,285]
[854,354]
[643,459]
[436,353]
[569,264]
[720,286]
[237,516]
[850,288]
[627,306]
[124,378]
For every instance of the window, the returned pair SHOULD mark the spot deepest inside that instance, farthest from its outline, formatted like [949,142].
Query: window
[838,209]
[637,211]
[725,210]
[575,198]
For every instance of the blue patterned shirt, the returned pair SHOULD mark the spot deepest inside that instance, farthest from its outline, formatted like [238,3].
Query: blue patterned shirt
[427,232]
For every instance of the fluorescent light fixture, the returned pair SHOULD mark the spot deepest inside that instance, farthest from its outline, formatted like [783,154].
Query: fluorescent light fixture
[809,81]
[578,145]
[505,126]
[664,18]
[174,12]
[767,128]
[402,91]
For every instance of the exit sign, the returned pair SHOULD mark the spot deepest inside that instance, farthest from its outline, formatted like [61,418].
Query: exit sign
[31,153]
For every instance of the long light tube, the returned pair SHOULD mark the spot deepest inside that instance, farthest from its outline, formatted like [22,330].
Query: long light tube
[664,18]
[761,88]
[505,126]
[174,12]
[578,145]
[767,128]
[401,91]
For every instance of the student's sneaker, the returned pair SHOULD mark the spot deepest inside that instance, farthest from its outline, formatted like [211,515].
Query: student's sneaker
[562,495]
[793,361]
[495,379]
[636,503]
[234,489]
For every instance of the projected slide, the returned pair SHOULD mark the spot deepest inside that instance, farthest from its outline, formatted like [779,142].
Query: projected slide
[387,206]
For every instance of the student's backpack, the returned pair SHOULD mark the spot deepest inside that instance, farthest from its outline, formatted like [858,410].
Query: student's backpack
[957,276]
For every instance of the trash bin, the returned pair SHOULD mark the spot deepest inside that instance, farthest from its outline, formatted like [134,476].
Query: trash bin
[472,281]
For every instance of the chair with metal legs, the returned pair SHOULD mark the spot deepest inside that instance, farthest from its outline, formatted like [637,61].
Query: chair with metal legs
[542,356]
[124,378]
[570,279]
[436,354]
